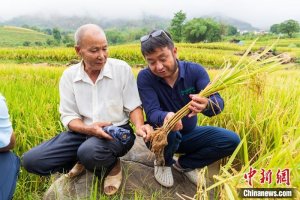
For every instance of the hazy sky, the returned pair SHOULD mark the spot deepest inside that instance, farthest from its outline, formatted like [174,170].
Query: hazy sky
[260,13]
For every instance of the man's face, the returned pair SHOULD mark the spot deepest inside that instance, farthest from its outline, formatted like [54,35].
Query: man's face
[162,62]
[93,49]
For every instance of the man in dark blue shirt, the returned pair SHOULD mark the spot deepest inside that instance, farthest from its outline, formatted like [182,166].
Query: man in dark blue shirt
[167,85]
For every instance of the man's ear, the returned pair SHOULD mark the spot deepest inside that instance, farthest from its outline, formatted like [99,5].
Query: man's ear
[175,52]
[77,49]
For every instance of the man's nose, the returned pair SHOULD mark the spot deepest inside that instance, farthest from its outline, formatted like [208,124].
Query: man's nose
[100,55]
[159,66]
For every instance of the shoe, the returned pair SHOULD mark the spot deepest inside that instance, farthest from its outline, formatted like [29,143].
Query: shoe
[163,175]
[192,175]
[114,181]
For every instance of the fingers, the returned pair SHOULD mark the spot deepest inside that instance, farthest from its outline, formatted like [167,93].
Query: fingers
[148,129]
[178,126]
[192,114]
[103,134]
[197,105]
[140,132]
[145,132]
[168,116]
[196,108]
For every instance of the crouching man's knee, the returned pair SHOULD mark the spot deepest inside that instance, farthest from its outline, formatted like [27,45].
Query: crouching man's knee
[31,162]
[93,158]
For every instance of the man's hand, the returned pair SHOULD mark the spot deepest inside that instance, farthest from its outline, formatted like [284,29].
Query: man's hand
[96,130]
[144,131]
[178,126]
[198,104]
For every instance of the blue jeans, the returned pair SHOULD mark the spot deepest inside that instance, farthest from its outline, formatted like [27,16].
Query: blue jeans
[201,146]
[9,171]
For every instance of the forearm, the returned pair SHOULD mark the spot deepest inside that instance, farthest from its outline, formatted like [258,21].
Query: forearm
[78,126]
[141,129]
[11,145]
[136,117]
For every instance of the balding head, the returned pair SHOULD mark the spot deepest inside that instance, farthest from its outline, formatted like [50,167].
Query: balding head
[87,29]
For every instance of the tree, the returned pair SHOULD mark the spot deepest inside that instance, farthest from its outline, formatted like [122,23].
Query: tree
[114,36]
[56,35]
[26,43]
[213,32]
[231,30]
[50,42]
[275,28]
[67,39]
[176,28]
[38,43]
[289,27]
[48,31]
[199,29]
[227,30]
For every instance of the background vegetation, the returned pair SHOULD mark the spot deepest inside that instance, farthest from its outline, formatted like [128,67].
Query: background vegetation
[265,114]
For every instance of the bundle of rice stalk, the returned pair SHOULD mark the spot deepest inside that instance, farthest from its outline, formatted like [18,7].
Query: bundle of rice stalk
[239,74]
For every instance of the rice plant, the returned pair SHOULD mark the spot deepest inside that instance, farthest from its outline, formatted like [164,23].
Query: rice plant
[239,74]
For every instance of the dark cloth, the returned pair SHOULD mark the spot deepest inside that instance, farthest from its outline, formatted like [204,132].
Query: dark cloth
[158,98]
[118,133]
[9,171]
[201,146]
[62,152]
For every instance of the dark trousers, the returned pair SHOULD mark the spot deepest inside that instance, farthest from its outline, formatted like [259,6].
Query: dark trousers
[201,146]
[9,170]
[62,152]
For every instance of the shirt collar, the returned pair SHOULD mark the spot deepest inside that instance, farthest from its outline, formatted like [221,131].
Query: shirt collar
[181,69]
[82,75]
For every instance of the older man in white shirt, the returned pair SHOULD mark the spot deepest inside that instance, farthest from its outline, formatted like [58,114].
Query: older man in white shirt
[95,93]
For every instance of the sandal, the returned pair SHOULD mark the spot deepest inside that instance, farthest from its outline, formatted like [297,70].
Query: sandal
[163,175]
[113,181]
[76,170]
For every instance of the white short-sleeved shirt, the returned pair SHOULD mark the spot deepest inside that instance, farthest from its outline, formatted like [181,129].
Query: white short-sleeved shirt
[113,96]
[5,124]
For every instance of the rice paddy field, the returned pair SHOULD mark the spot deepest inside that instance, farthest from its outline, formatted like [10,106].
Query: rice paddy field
[265,114]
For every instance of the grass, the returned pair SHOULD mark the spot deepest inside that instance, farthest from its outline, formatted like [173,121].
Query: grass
[267,121]
[266,115]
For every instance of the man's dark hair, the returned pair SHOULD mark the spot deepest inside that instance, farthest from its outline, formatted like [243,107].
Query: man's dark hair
[162,40]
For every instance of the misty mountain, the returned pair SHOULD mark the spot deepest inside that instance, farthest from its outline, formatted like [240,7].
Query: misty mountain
[72,23]
[241,25]
[147,22]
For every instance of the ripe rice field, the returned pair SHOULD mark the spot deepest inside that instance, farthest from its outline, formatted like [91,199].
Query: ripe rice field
[211,55]
[265,114]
